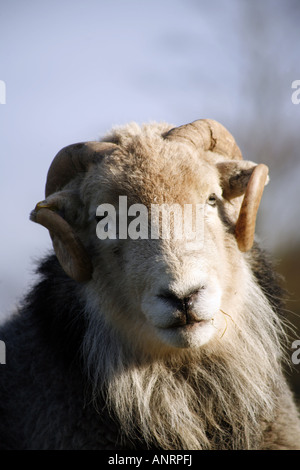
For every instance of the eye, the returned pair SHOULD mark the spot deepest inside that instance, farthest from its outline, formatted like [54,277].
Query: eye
[212,200]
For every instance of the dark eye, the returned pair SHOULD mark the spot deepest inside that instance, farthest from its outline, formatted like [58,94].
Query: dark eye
[212,200]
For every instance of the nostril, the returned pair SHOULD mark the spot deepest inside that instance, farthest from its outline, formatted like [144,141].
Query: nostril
[183,303]
[185,306]
[192,298]
[172,299]
[188,302]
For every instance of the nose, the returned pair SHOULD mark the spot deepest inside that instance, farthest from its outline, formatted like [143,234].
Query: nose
[183,304]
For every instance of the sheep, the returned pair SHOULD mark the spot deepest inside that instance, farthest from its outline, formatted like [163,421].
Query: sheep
[145,343]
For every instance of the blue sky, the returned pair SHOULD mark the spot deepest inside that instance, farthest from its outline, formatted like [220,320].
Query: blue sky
[73,69]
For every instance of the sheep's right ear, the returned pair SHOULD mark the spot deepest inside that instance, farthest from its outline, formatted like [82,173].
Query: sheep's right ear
[69,249]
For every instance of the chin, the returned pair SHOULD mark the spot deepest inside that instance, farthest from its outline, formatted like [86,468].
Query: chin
[188,336]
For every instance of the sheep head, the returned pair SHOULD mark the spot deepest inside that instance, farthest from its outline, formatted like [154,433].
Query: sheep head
[176,293]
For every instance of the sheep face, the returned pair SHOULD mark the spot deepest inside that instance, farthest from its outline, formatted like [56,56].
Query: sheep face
[167,291]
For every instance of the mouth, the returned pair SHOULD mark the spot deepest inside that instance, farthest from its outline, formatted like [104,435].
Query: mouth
[186,320]
[187,335]
[182,324]
[188,325]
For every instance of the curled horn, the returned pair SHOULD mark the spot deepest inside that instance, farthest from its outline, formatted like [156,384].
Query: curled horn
[245,226]
[69,250]
[72,160]
[208,135]
[68,163]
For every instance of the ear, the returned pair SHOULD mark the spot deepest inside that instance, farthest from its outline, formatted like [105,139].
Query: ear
[69,249]
[235,176]
[248,178]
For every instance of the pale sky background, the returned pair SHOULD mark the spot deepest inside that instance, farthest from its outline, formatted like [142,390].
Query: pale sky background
[73,69]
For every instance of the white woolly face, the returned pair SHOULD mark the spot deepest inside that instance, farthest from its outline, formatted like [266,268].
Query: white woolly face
[163,293]
[170,295]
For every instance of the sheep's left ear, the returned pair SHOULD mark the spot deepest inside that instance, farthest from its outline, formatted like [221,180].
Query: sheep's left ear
[235,176]
[248,178]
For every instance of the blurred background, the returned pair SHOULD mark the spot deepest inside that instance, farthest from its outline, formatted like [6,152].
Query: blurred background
[73,69]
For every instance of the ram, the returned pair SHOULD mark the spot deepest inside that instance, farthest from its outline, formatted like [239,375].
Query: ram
[150,343]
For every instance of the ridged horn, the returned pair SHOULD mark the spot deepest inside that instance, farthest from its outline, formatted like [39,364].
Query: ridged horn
[208,135]
[72,160]
[69,250]
[245,226]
